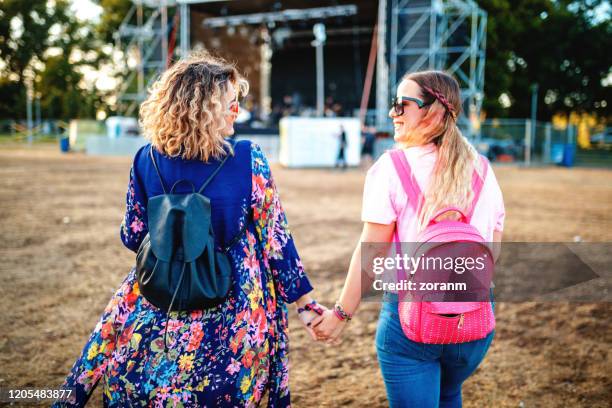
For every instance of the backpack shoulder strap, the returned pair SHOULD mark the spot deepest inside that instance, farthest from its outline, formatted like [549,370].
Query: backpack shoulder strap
[214,173]
[157,170]
[411,187]
[477,184]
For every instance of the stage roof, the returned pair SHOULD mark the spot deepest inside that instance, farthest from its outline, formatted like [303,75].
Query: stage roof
[367,10]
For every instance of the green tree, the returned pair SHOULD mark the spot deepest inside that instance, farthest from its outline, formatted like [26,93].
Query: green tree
[559,45]
[113,13]
[24,33]
[63,97]
[53,44]
[63,93]
[12,99]
[24,37]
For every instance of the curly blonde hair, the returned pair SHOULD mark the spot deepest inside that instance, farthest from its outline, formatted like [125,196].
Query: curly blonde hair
[186,109]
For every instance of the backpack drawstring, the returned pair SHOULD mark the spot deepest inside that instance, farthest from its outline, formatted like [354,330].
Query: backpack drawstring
[178,287]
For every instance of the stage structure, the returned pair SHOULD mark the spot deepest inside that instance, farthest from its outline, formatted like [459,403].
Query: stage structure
[411,35]
[433,34]
[267,22]
[149,45]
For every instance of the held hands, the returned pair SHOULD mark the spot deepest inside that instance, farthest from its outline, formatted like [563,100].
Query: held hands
[310,314]
[321,323]
[329,328]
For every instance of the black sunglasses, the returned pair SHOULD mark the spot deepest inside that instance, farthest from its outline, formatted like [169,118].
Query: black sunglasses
[398,105]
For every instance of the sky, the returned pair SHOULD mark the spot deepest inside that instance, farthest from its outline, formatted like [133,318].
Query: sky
[86,10]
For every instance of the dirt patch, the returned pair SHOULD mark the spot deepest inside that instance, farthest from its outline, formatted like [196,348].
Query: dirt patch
[62,259]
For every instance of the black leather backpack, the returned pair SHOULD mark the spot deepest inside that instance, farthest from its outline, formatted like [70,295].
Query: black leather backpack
[177,264]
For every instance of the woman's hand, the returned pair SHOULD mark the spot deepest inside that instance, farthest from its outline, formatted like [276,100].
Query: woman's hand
[308,318]
[310,313]
[329,327]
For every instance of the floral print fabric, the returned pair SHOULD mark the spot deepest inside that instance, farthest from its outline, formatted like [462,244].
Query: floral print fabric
[230,355]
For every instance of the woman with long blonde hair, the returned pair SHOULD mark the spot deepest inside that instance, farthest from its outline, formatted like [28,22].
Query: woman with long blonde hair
[232,354]
[443,163]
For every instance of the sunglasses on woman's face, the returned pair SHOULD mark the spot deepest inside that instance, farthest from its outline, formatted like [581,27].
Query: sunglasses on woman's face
[234,106]
[398,104]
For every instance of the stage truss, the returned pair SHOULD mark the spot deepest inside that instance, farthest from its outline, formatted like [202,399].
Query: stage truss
[445,35]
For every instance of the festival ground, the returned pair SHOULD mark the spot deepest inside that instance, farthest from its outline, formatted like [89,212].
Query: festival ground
[62,259]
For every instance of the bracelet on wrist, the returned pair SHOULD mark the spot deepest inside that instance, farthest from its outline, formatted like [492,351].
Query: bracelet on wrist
[339,316]
[311,307]
[302,309]
[341,313]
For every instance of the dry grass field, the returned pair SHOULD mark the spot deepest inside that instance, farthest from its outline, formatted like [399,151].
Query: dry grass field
[62,259]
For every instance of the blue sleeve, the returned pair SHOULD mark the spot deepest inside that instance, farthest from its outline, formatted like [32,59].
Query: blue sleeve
[272,229]
[134,225]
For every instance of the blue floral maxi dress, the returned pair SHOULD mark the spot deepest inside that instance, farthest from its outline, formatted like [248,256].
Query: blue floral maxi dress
[229,355]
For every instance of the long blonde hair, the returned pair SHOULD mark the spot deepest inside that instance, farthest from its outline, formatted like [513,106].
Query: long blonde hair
[186,109]
[451,182]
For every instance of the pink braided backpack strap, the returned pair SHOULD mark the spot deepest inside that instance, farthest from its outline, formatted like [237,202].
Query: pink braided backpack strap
[411,187]
[477,185]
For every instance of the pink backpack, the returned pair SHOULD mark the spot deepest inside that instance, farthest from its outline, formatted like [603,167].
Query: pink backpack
[425,321]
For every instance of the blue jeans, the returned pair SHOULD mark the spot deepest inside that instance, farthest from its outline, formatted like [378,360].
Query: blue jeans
[419,375]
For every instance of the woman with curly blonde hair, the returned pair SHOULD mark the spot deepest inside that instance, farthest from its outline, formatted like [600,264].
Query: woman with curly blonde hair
[227,355]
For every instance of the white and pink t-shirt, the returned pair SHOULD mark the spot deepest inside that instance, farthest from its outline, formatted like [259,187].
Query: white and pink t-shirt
[385,202]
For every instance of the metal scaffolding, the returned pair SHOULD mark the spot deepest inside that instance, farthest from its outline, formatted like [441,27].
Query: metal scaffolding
[445,35]
[145,46]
